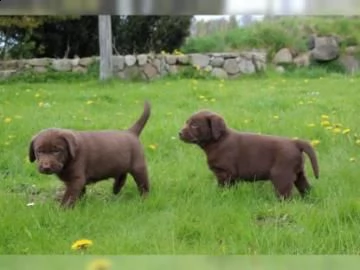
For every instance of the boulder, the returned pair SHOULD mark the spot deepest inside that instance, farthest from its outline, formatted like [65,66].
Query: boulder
[283,56]
[325,49]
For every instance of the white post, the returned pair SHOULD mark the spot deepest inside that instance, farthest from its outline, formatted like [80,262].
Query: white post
[105,45]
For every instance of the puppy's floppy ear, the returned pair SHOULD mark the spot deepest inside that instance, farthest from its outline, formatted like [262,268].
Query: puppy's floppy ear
[217,125]
[31,150]
[71,141]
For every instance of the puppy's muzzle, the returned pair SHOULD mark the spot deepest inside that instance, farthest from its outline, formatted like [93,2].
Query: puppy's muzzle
[46,168]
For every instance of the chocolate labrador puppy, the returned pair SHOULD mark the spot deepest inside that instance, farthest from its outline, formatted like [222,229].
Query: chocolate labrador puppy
[80,158]
[233,156]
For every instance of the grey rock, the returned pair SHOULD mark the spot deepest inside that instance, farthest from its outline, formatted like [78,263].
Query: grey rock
[326,49]
[219,73]
[283,56]
[231,66]
[130,60]
[350,63]
[183,59]
[142,59]
[150,71]
[7,73]
[246,66]
[170,59]
[86,61]
[61,64]
[40,69]
[217,61]
[38,62]
[199,60]
[118,63]
[79,69]
[280,69]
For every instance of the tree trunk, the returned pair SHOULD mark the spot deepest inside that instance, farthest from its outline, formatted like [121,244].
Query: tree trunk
[105,45]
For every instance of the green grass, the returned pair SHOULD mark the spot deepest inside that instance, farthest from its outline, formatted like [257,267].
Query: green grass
[290,32]
[185,213]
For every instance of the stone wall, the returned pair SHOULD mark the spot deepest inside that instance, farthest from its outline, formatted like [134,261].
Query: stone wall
[148,66]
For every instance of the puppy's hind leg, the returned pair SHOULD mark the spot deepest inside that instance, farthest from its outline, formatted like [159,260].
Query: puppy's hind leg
[283,183]
[141,178]
[302,184]
[119,183]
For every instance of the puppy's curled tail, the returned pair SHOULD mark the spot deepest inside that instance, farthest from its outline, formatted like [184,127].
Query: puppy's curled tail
[309,150]
[141,122]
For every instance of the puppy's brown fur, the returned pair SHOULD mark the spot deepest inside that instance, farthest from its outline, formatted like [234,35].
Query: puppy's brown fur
[233,156]
[80,158]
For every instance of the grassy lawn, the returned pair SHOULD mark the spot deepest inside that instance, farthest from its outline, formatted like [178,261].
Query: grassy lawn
[185,213]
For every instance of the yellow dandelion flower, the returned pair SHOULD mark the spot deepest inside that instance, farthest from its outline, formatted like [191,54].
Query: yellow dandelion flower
[301,102]
[7,120]
[213,100]
[99,264]
[311,125]
[37,95]
[246,121]
[337,130]
[6,143]
[11,137]
[352,159]
[325,123]
[89,102]
[202,97]
[346,131]
[153,146]
[306,81]
[324,117]
[276,117]
[315,142]
[357,141]
[81,244]
[40,104]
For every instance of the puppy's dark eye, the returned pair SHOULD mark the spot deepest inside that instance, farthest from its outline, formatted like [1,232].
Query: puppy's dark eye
[56,152]
[193,125]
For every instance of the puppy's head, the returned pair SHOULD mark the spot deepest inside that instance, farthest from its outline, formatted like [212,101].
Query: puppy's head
[203,127]
[52,149]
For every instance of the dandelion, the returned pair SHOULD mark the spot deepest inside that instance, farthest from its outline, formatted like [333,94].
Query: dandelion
[306,81]
[11,137]
[89,102]
[276,117]
[213,100]
[6,143]
[37,95]
[153,146]
[7,120]
[246,121]
[40,104]
[301,102]
[324,117]
[325,123]
[99,264]
[352,159]
[315,143]
[202,97]
[311,125]
[81,244]
[337,130]
[346,131]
